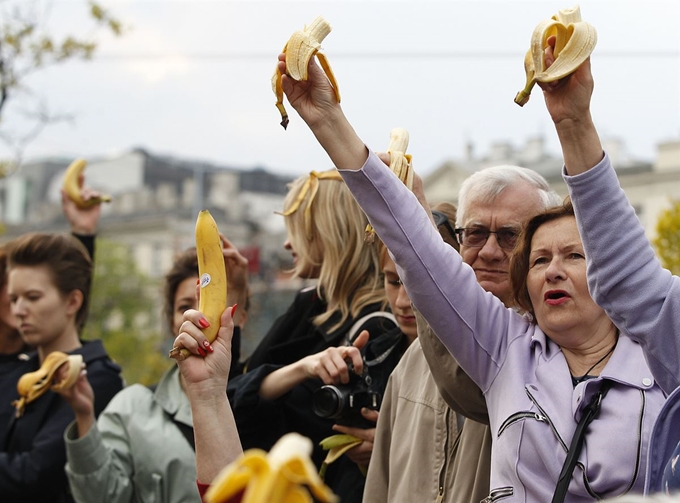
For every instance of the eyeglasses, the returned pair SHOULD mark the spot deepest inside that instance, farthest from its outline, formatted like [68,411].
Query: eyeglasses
[440,219]
[476,237]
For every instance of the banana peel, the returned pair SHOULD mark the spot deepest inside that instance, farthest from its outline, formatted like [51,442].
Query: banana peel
[33,385]
[302,46]
[400,165]
[72,187]
[336,445]
[575,41]
[285,475]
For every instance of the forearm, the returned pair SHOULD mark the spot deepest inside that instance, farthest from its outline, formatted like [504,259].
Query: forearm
[338,138]
[215,435]
[581,147]
[281,381]
[84,423]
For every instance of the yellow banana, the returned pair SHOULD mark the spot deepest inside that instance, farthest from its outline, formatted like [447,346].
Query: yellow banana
[299,49]
[34,384]
[575,40]
[400,164]
[285,475]
[72,187]
[212,275]
[336,445]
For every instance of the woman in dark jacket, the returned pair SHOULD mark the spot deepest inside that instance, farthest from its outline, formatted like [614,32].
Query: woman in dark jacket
[48,283]
[296,356]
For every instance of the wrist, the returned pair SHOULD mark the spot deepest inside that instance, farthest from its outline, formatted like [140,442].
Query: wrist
[84,422]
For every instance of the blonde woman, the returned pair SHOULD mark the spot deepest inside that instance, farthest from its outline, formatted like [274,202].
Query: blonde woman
[307,346]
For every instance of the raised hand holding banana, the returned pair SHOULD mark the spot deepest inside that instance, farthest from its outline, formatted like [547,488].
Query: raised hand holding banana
[73,186]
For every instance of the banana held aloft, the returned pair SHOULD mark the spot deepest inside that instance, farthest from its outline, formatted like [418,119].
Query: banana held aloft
[212,275]
[400,164]
[575,40]
[284,475]
[72,187]
[299,49]
[34,384]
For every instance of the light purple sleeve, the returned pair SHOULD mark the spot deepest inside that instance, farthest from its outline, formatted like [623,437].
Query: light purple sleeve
[624,276]
[473,324]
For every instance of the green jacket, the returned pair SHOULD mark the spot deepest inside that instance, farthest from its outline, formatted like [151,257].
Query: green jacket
[136,453]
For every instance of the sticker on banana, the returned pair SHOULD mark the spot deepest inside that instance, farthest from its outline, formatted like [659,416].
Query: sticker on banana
[299,50]
[285,475]
[212,276]
[72,186]
[575,41]
[400,164]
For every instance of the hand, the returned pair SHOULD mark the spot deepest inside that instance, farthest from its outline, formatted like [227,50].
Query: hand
[568,99]
[314,98]
[82,220]
[330,365]
[80,398]
[206,370]
[361,454]
[237,279]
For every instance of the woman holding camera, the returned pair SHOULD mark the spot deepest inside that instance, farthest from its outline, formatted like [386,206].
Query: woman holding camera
[308,345]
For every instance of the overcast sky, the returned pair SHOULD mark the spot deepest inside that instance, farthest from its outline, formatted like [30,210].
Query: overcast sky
[192,78]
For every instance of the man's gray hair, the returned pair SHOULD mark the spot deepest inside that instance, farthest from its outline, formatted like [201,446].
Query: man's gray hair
[487,184]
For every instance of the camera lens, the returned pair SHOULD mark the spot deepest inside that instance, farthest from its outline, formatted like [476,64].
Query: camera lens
[328,401]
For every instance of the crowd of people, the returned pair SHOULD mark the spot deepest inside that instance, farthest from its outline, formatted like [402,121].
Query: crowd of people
[519,347]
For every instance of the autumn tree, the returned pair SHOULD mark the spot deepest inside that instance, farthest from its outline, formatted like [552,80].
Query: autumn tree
[26,47]
[125,313]
[667,241]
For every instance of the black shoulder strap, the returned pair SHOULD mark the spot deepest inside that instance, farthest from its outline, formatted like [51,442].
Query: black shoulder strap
[589,414]
[186,430]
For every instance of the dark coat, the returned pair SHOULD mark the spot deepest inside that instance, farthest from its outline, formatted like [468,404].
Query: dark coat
[32,451]
[292,337]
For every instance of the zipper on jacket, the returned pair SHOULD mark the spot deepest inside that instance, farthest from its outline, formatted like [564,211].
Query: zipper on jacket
[547,419]
[497,494]
[442,470]
[518,416]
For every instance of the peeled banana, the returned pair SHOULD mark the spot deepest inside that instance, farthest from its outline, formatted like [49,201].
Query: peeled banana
[299,49]
[400,164]
[72,187]
[575,40]
[212,275]
[33,385]
[285,475]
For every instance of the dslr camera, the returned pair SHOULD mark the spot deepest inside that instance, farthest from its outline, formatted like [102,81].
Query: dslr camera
[343,402]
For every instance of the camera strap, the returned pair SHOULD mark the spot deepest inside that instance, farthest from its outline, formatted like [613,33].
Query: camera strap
[354,331]
[382,356]
[590,412]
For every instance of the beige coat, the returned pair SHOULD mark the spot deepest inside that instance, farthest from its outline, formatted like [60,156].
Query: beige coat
[420,455]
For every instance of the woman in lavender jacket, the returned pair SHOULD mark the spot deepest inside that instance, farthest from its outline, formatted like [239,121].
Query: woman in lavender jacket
[624,275]
[537,377]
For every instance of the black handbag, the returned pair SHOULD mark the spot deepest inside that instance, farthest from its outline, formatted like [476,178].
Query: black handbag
[589,414]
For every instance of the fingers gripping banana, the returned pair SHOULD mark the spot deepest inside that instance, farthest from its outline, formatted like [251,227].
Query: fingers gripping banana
[212,275]
[336,445]
[400,164]
[285,475]
[299,50]
[34,384]
[575,40]
[72,187]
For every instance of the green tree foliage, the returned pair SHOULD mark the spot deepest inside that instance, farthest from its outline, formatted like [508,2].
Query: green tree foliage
[28,45]
[125,314]
[667,242]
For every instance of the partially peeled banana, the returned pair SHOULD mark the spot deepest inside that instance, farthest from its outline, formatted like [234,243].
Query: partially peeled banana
[575,41]
[400,164]
[72,186]
[299,50]
[285,475]
[33,385]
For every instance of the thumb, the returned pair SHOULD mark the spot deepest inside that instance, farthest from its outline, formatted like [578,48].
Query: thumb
[362,340]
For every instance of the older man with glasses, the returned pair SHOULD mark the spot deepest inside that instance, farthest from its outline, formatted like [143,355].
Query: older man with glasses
[425,449]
